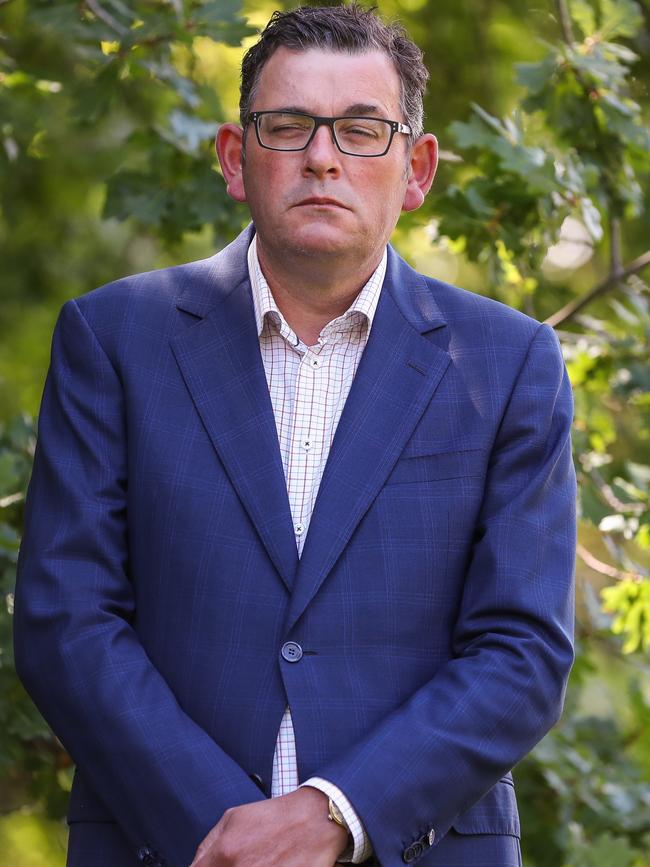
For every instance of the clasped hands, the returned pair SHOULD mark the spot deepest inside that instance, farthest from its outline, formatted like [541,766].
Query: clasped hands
[289,831]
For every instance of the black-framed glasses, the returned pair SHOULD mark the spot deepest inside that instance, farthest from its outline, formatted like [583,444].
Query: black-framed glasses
[356,136]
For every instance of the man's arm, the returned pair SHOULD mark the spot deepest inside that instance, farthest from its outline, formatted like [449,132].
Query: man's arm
[161,776]
[436,755]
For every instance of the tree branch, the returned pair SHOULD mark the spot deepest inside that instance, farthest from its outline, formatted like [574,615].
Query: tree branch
[604,568]
[607,493]
[564,17]
[99,12]
[616,265]
[610,282]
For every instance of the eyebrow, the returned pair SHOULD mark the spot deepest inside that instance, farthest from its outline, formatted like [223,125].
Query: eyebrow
[358,109]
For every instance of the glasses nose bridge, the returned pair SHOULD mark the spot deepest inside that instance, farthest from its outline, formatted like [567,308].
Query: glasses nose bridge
[324,121]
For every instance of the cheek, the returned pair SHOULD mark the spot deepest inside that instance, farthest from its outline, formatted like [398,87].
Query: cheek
[263,182]
[384,194]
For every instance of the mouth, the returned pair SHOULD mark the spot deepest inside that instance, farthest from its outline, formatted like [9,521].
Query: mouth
[321,201]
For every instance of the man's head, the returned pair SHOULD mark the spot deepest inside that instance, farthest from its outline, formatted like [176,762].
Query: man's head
[322,197]
[345,29]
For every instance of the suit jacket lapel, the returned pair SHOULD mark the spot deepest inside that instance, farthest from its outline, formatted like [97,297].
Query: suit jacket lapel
[220,360]
[397,376]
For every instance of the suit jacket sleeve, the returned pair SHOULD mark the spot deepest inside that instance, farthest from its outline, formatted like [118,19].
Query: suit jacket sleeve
[440,752]
[160,775]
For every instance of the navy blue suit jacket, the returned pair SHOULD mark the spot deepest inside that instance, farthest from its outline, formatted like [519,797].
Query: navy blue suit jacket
[158,577]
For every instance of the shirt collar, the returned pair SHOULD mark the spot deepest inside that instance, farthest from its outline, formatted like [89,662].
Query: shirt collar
[265,307]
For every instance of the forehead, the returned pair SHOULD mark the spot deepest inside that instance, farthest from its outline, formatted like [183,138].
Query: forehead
[328,82]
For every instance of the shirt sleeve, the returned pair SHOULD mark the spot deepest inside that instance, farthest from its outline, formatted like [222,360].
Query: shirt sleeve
[362,847]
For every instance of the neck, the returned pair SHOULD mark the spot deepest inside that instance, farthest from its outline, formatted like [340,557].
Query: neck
[311,293]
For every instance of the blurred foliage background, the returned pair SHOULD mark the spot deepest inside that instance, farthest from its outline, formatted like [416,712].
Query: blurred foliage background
[108,110]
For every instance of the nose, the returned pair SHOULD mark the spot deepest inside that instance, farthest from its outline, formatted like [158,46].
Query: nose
[322,157]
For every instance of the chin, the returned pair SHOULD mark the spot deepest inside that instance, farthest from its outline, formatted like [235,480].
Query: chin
[320,240]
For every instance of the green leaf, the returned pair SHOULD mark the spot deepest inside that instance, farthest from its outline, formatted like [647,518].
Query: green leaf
[221,19]
[625,125]
[640,474]
[189,133]
[620,18]
[9,541]
[532,164]
[133,194]
[598,68]
[584,16]
[489,119]
[591,218]
[166,72]
[9,473]
[622,52]
[218,11]
[623,312]
[472,134]
[605,851]
[537,77]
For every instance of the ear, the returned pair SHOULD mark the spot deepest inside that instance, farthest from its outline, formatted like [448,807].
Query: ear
[229,144]
[422,169]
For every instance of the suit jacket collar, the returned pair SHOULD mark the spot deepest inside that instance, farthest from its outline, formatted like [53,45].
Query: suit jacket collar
[204,284]
[209,280]
[220,360]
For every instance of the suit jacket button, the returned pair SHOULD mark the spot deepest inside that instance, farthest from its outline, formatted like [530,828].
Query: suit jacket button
[410,854]
[291,651]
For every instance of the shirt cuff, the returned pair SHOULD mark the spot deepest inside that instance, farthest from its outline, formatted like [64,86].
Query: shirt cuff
[362,847]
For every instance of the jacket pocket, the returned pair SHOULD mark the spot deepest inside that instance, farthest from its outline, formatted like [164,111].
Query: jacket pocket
[495,813]
[437,467]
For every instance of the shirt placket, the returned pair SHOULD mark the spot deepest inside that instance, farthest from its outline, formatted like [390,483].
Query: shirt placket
[307,436]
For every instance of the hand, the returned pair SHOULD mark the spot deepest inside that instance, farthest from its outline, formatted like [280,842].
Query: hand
[290,831]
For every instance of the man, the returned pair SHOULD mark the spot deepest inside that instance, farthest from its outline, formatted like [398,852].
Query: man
[300,515]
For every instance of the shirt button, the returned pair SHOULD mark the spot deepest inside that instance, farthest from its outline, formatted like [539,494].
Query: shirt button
[291,651]
[314,362]
[299,529]
[306,444]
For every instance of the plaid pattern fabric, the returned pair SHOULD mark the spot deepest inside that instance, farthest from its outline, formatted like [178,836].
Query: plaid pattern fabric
[308,386]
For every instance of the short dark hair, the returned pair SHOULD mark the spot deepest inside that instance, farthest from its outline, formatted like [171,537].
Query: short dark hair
[351,29]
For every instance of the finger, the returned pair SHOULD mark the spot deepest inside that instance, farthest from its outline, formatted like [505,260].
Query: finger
[204,847]
[198,858]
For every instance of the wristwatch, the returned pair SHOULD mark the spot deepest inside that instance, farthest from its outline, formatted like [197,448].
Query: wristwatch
[335,815]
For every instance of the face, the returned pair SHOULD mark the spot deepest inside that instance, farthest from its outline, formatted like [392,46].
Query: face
[321,202]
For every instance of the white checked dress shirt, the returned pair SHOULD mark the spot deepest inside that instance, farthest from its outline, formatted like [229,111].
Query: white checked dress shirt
[309,386]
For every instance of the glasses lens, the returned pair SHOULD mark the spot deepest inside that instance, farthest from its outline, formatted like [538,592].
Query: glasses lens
[362,135]
[283,131]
